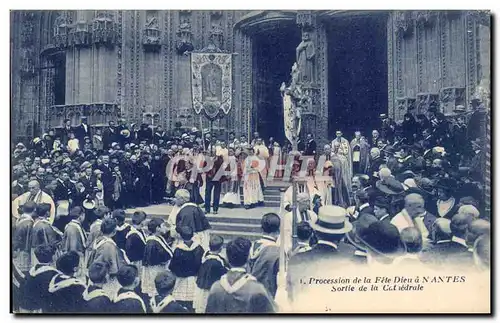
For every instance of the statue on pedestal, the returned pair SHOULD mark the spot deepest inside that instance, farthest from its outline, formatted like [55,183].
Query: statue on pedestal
[306,55]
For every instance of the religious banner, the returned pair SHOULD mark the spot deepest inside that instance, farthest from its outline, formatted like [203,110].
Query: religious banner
[212,84]
[289,116]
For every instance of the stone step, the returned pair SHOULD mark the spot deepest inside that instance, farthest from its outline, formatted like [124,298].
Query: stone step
[268,191]
[236,227]
[231,235]
[267,197]
[243,220]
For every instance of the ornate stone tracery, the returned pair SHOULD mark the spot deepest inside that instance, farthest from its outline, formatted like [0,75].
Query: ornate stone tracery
[184,33]
[104,28]
[151,38]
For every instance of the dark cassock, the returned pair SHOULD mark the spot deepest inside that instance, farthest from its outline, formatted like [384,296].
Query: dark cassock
[158,180]
[18,288]
[264,262]
[166,304]
[75,239]
[212,268]
[239,292]
[120,236]
[21,242]
[97,300]
[66,294]
[127,169]
[37,287]
[192,216]
[144,173]
[157,255]
[43,233]
[185,264]
[128,301]
[135,245]
[194,187]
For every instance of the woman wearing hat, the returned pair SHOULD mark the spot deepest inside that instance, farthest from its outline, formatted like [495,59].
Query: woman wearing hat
[446,204]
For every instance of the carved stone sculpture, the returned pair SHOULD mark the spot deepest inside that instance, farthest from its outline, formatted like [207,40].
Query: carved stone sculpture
[306,55]
[152,35]
[184,34]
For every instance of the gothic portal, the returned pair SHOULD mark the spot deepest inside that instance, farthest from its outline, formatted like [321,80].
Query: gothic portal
[357,64]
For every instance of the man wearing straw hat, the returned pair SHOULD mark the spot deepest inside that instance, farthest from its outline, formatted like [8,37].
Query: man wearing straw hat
[330,228]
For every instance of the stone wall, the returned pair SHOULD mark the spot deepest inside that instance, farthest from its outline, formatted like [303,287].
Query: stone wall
[434,58]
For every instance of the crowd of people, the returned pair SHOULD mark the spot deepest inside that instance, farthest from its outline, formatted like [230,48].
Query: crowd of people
[411,193]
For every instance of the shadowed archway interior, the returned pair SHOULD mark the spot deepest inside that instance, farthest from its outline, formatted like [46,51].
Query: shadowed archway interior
[273,57]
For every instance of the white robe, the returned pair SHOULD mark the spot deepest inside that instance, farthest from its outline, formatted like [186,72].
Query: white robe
[41,197]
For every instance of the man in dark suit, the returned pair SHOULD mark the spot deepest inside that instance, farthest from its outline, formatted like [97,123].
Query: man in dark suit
[213,183]
[65,131]
[62,191]
[362,204]
[450,253]
[83,130]
[109,135]
[107,180]
[310,146]
[381,209]
[329,252]
[88,179]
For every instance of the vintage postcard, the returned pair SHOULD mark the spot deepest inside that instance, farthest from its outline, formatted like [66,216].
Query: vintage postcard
[250,161]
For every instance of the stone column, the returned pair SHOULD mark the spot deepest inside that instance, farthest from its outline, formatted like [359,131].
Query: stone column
[314,120]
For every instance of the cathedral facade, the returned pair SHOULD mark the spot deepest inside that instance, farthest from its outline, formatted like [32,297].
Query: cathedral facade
[137,65]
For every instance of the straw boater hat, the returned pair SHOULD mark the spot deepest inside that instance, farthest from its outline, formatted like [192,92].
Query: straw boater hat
[88,204]
[125,133]
[332,219]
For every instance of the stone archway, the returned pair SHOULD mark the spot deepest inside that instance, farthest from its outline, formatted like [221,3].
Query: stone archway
[256,86]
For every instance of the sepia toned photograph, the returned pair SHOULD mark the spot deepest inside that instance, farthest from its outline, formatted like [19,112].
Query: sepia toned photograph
[198,162]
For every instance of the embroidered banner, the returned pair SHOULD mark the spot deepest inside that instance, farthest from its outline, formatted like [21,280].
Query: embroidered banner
[212,85]
[289,115]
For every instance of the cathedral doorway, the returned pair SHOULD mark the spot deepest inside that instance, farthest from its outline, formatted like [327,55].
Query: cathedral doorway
[273,57]
[357,73]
